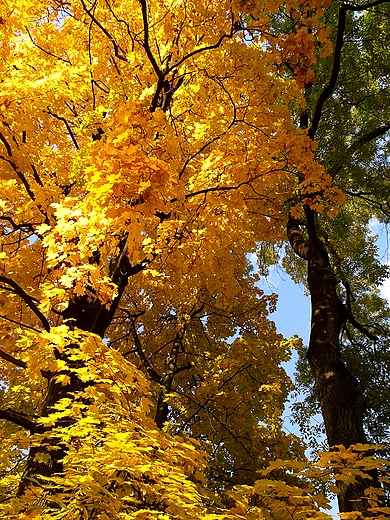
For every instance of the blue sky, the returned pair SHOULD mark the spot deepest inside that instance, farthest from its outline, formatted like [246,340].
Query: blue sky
[293,310]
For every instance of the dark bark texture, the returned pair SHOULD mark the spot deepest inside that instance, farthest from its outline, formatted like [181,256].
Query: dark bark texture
[342,403]
[89,314]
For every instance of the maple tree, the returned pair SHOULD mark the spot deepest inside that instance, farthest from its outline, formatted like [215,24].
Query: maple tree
[146,149]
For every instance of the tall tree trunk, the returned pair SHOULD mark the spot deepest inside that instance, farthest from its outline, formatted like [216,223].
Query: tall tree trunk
[342,404]
[91,315]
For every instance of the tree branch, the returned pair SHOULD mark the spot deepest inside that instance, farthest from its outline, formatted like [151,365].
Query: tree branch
[65,121]
[334,74]
[299,245]
[146,45]
[27,299]
[17,418]
[6,144]
[20,227]
[336,61]
[21,177]
[104,30]
[12,359]
[361,328]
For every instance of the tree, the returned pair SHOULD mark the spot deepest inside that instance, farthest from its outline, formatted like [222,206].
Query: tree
[346,114]
[146,149]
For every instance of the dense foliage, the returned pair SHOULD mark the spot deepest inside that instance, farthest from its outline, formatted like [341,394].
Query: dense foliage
[146,150]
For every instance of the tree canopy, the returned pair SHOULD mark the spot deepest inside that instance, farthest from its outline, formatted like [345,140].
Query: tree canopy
[146,150]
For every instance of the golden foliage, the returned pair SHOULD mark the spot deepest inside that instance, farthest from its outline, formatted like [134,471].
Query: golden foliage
[145,151]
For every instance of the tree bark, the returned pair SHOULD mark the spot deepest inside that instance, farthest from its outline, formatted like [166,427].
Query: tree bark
[342,403]
[89,314]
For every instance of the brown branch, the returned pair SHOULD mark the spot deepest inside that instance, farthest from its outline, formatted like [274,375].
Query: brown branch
[17,418]
[139,350]
[361,141]
[36,175]
[12,359]
[325,94]
[104,30]
[367,138]
[364,196]
[20,227]
[146,45]
[226,188]
[46,51]
[234,28]
[71,134]
[203,147]
[204,404]
[361,328]
[299,245]
[6,144]
[27,299]
[19,323]
[21,177]
[21,364]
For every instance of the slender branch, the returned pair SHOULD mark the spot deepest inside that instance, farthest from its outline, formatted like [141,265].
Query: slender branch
[201,406]
[367,138]
[19,227]
[17,418]
[19,323]
[146,45]
[60,118]
[364,196]
[12,359]
[6,144]
[361,328]
[36,175]
[27,299]
[104,30]
[20,176]
[325,94]
[207,47]
[46,51]
[22,364]
[149,369]
[225,188]
[203,147]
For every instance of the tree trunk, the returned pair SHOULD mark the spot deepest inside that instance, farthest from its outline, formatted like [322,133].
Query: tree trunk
[342,404]
[91,315]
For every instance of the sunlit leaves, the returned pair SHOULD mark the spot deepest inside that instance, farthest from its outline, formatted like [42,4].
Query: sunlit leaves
[146,150]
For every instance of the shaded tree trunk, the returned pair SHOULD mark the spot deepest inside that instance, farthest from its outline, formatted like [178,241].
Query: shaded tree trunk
[91,315]
[342,403]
